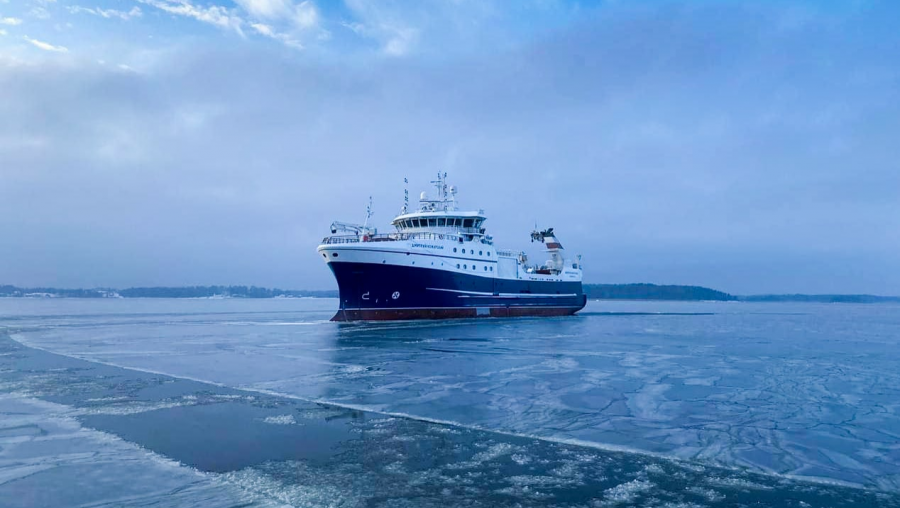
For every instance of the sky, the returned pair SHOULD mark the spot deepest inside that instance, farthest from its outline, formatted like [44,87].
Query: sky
[748,146]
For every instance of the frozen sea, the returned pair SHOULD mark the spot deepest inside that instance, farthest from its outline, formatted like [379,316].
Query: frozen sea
[267,403]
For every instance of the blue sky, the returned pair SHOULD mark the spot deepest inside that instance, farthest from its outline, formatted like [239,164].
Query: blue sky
[747,146]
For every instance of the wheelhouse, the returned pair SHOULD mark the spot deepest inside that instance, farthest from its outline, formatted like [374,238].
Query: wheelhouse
[455,223]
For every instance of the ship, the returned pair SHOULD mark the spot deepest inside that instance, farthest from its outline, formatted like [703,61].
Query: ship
[440,263]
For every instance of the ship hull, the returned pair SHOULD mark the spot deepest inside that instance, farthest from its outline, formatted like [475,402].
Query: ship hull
[371,291]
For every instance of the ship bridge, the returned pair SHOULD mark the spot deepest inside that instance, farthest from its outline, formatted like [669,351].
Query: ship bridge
[441,215]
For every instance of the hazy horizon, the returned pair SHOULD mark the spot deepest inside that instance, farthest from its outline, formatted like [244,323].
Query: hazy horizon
[748,147]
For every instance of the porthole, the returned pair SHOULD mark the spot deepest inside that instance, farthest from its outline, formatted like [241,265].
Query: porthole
[473,267]
[489,253]
[324,255]
[492,268]
[454,249]
[465,267]
[479,253]
[485,268]
[464,251]
[457,265]
[334,254]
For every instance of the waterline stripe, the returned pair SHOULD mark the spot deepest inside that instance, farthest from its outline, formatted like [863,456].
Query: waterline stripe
[506,295]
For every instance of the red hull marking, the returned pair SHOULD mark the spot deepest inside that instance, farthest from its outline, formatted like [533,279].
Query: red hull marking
[469,312]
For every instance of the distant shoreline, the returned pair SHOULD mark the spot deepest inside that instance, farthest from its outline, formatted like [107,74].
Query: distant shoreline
[627,292]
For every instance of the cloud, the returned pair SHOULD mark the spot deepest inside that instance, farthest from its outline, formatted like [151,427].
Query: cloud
[303,16]
[699,145]
[135,12]
[306,15]
[46,46]
[268,31]
[267,9]
[214,14]
[2,31]
[10,21]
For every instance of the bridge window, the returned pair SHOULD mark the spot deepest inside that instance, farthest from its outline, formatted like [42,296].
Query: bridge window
[467,223]
[442,222]
[432,223]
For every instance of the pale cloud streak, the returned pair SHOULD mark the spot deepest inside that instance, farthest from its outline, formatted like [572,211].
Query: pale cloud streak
[135,12]
[46,46]
[303,16]
[268,31]
[396,33]
[266,9]
[10,21]
[214,14]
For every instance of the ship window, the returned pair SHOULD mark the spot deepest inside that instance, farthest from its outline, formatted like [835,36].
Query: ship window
[442,222]
[466,267]
[407,223]
[467,223]
[464,251]
[454,250]
[334,254]
[454,222]
[432,223]
[479,253]
[485,268]
[418,223]
[457,265]
[574,265]
[473,267]
[489,253]
[492,268]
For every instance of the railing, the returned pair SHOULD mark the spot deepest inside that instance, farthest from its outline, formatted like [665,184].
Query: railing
[508,253]
[389,237]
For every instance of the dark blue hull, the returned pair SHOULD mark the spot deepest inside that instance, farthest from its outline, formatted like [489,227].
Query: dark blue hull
[384,292]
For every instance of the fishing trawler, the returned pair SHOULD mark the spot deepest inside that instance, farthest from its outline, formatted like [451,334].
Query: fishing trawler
[440,263]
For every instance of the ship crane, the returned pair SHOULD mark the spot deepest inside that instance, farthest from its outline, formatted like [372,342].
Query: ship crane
[346,227]
[357,229]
